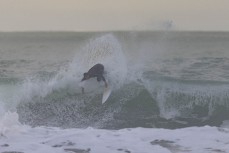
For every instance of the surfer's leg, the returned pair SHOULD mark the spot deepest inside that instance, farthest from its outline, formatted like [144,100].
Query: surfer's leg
[98,79]
[104,80]
[105,83]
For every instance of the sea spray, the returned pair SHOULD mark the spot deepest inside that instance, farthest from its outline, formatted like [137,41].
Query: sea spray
[107,51]
[63,89]
[184,98]
[10,125]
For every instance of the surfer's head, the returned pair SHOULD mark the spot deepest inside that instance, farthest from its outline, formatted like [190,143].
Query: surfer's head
[86,76]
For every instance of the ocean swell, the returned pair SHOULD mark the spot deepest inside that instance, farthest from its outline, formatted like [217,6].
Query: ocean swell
[147,92]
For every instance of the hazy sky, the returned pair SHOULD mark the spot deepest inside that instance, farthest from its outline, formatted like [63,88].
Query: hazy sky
[78,15]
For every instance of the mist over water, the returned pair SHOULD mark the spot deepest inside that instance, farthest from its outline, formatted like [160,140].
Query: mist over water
[159,79]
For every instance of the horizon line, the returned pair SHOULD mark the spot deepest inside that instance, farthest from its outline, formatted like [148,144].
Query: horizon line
[94,31]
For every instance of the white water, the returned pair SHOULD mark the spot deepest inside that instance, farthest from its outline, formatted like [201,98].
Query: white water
[20,138]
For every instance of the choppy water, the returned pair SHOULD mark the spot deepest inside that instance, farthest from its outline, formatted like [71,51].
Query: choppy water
[159,79]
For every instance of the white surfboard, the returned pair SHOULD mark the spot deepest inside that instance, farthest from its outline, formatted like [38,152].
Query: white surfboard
[92,85]
[106,94]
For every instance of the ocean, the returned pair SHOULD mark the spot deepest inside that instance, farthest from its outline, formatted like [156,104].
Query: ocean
[170,92]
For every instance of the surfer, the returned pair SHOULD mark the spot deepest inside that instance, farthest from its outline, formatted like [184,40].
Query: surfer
[96,71]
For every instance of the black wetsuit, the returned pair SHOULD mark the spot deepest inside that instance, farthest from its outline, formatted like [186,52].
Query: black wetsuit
[96,71]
